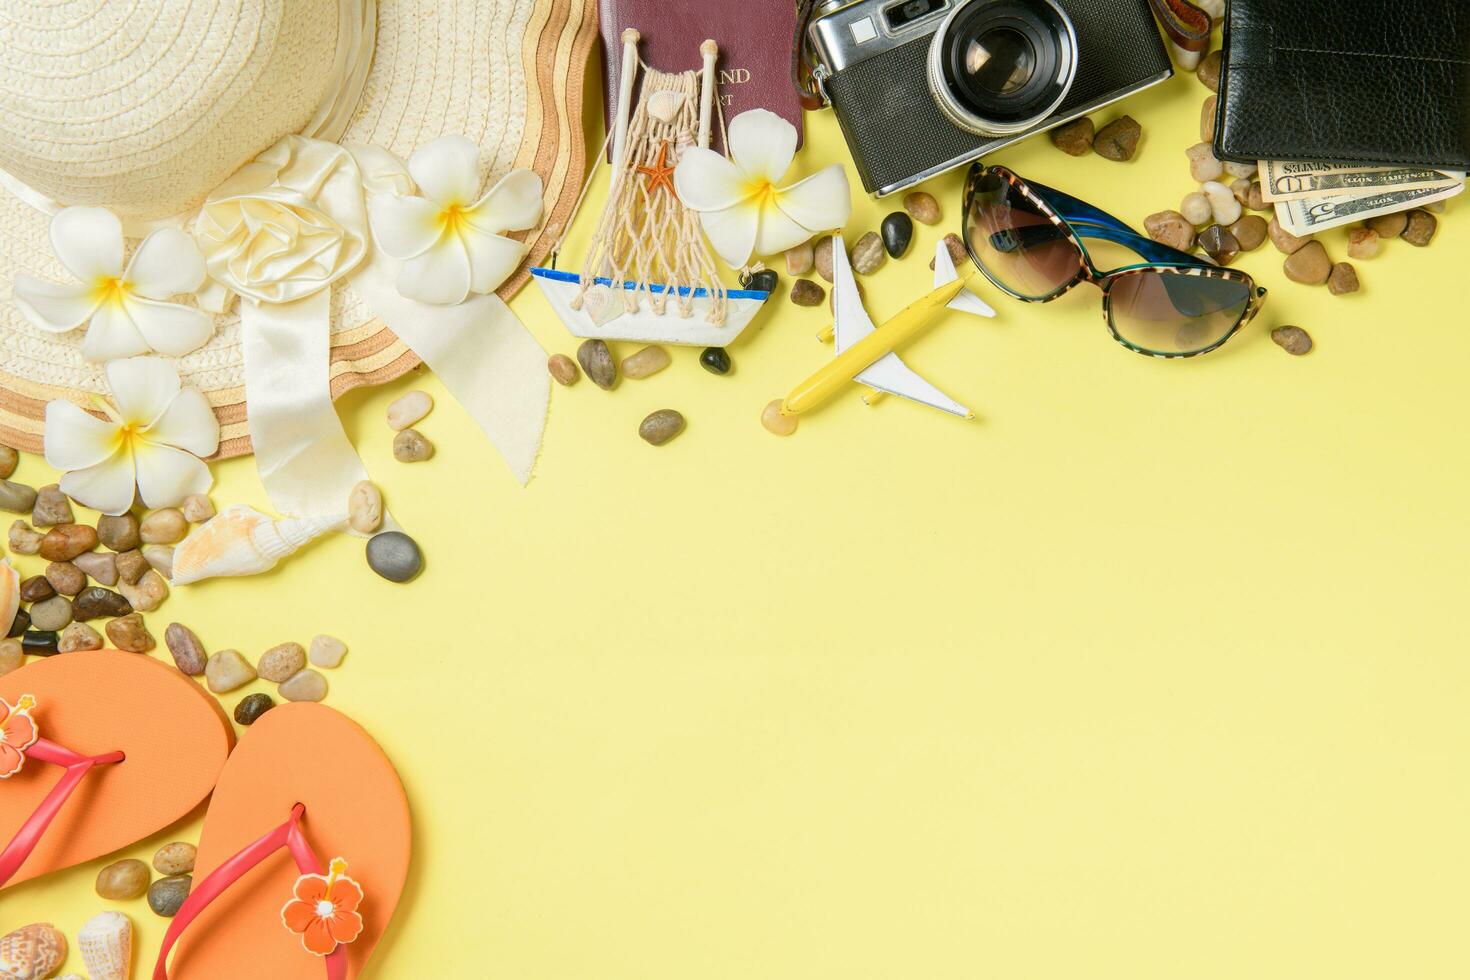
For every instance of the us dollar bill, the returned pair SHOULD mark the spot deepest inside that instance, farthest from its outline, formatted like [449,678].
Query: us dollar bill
[1306,216]
[1291,180]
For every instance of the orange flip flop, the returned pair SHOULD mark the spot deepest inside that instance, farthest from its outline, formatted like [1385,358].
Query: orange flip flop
[137,745]
[303,855]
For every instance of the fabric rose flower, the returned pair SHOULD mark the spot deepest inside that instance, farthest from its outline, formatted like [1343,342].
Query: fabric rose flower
[151,440]
[123,308]
[288,224]
[742,210]
[17,733]
[450,239]
[324,911]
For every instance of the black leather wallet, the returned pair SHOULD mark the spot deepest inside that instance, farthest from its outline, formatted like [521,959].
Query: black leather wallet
[1371,82]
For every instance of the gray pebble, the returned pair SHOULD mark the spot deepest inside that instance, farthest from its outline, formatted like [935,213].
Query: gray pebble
[412,446]
[119,533]
[51,507]
[898,232]
[51,614]
[394,555]
[598,362]
[661,426]
[166,894]
[17,497]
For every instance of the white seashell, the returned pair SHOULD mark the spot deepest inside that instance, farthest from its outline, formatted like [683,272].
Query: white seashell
[32,952]
[243,541]
[9,591]
[106,944]
[601,305]
[665,106]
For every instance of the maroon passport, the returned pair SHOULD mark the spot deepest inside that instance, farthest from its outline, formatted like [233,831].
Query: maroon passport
[755,49]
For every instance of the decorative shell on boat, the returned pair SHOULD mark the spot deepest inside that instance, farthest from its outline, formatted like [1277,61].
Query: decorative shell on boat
[32,952]
[243,541]
[106,944]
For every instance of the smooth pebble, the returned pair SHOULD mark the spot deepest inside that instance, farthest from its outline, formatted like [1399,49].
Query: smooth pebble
[1203,165]
[51,507]
[394,555]
[563,370]
[922,206]
[65,541]
[1419,228]
[365,507]
[187,651]
[1170,228]
[1196,208]
[281,661]
[412,446]
[122,880]
[1286,243]
[17,497]
[1342,280]
[598,362]
[9,460]
[410,408]
[165,526]
[227,670]
[801,259]
[1250,232]
[197,508]
[1118,140]
[36,589]
[868,254]
[1075,138]
[715,360]
[12,655]
[1309,264]
[305,685]
[804,292]
[660,426]
[1293,340]
[251,707]
[99,566]
[120,532]
[822,257]
[326,651]
[898,234]
[1224,207]
[176,858]
[645,363]
[147,594]
[25,540]
[166,894]
[131,565]
[98,603]
[1363,243]
[51,614]
[79,636]
[130,634]
[161,558]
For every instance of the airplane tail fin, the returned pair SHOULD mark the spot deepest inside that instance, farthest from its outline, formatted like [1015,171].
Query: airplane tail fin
[945,272]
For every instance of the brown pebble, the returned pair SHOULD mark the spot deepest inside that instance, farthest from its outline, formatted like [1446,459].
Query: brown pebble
[804,292]
[128,633]
[36,589]
[175,859]
[79,636]
[661,426]
[131,565]
[1219,244]
[251,707]
[1343,280]
[65,577]
[598,362]
[1075,138]
[280,662]
[1419,229]
[412,446]
[1118,140]
[801,259]
[13,655]
[123,880]
[868,255]
[1389,225]
[1363,243]
[1293,340]
[822,257]
[9,460]
[957,253]
[1208,71]
[922,207]
[1309,265]
[645,363]
[65,541]
[164,526]
[188,652]
[1256,199]
[1170,228]
[1207,121]
[147,594]
[1286,243]
[563,369]
[119,533]
[1250,231]
[775,422]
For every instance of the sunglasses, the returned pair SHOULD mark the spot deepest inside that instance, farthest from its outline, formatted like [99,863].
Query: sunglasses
[1027,240]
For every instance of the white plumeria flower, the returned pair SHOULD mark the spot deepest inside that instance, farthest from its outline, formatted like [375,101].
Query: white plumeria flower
[743,212]
[152,440]
[124,307]
[450,239]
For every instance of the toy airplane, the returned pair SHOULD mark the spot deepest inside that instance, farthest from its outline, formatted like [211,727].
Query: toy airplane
[862,346]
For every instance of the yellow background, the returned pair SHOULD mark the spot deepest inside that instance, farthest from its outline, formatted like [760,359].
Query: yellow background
[1154,670]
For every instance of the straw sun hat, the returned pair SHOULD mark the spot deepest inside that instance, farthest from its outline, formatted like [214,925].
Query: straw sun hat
[146,106]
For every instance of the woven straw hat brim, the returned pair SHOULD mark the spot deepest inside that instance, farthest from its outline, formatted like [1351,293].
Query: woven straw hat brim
[505,73]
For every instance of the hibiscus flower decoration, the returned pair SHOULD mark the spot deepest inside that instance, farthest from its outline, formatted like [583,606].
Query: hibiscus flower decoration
[451,238]
[149,444]
[324,911]
[17,733]
[123,307]
[742,209]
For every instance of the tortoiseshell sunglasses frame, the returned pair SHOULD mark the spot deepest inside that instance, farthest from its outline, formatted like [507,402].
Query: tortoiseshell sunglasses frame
[1084,220]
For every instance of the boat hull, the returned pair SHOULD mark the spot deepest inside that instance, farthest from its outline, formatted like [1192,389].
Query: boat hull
[645,325]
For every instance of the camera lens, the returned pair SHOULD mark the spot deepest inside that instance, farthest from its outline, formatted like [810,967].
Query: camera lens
[998,67]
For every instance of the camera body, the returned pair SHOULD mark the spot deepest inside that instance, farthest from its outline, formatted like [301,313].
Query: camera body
[923,86]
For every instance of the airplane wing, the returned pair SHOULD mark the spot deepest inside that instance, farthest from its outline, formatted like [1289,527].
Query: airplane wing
[851,323]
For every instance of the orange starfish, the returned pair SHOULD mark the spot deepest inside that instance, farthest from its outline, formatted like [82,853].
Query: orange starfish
[660,174]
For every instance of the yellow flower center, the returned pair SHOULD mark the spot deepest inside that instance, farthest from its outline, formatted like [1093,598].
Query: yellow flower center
[454,218]
[762,190]
[111,289]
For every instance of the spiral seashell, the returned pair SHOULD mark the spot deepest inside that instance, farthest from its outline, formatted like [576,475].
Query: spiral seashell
[32,952]
[106,944]
[243,541]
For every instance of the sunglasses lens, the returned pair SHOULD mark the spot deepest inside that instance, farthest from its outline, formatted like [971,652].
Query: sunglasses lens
[1173,313]
[1016,243]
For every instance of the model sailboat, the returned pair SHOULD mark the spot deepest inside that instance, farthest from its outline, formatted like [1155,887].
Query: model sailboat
[649,275]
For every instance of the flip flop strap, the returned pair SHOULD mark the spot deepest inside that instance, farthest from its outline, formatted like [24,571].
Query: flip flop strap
[30,833]
[214,884]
